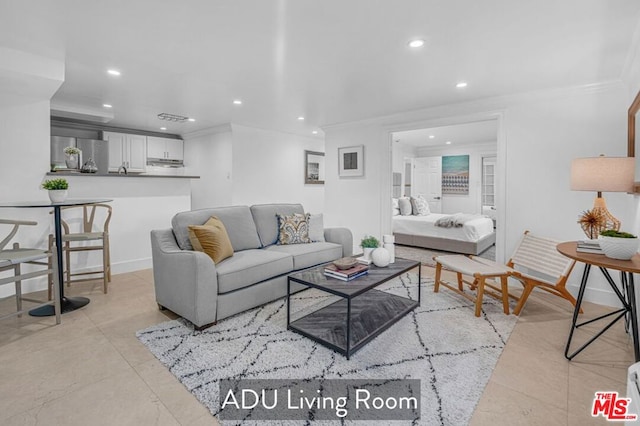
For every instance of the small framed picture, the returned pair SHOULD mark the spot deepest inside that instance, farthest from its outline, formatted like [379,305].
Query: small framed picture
[351,161]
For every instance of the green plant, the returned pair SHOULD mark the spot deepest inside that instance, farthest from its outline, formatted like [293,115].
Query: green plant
[71,150]
[55,184]
[369,242]
[616,234]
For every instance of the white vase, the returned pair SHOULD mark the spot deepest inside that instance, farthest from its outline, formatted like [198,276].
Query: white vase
[57,195]
[391,248]
[380,257]
[72,161]
[367,252]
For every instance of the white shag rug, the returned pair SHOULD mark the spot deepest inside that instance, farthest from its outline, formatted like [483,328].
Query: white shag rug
[440,343]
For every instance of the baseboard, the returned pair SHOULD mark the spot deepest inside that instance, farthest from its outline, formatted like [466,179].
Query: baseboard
[596,295]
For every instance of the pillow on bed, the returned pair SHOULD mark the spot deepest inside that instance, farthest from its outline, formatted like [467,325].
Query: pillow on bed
[419,206]
[405,206]
[395,207]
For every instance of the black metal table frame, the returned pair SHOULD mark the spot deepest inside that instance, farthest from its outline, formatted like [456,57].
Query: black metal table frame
[628,311]
[348,351]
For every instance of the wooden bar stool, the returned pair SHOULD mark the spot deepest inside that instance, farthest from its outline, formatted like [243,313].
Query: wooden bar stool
[90,232]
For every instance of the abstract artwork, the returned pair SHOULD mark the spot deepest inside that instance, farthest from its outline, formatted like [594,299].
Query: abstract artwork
[351,161]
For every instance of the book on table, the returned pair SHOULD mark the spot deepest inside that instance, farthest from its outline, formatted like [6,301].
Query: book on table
[589,246]
[346,274]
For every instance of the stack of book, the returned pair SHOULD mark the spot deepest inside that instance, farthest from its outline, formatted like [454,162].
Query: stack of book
[589,246]
[346,274]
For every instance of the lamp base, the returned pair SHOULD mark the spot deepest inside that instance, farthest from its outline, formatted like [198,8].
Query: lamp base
[598,219]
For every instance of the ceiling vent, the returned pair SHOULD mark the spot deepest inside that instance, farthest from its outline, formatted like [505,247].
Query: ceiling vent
[172,117]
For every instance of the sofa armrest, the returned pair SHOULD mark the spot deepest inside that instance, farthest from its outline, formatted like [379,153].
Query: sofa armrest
[185,281]
[340,236]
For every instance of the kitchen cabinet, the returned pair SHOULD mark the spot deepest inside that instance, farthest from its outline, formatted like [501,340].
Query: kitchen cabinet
[126,150]
[165,148]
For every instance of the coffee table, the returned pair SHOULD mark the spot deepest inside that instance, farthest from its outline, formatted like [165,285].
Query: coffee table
[362,311]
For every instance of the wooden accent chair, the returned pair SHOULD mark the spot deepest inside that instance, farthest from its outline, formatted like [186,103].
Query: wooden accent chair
[90,232]
[535,263]
[12,259]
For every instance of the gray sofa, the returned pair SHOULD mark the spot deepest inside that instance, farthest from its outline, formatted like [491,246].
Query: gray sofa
[190,284]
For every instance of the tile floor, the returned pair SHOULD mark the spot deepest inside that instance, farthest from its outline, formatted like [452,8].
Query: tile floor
[92,370]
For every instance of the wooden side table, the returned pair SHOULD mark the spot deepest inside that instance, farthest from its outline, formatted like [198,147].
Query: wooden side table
[627,296]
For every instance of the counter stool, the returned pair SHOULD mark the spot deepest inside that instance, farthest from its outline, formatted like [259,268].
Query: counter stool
[12,259]
[90,232]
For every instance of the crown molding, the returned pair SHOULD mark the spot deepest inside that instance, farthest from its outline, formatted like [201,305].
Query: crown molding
[496,103]
[221,128]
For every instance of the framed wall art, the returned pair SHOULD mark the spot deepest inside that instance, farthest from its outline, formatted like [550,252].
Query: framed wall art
[313,167]
[455,174]
[351,161]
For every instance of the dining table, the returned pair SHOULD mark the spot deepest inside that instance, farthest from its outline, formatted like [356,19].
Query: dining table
[67,304]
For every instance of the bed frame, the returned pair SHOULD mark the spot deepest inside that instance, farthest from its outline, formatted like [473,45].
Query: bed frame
[445,244]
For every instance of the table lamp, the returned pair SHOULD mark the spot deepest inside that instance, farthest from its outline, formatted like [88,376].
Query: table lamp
[603,174]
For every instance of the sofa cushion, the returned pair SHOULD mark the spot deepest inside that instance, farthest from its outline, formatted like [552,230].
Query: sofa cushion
[236,219]
[307,255]
[266,221]
[293,228]
[211,238]
[316,228]
[249,267]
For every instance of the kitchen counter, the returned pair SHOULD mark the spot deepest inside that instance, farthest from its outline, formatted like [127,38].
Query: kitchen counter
[116,175]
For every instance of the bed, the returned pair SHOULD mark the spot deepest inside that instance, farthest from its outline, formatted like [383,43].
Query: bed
[474,237]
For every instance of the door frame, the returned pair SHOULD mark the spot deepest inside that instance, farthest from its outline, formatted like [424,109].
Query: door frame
[501,157]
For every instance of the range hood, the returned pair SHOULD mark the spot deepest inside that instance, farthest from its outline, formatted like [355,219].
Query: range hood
[164,162]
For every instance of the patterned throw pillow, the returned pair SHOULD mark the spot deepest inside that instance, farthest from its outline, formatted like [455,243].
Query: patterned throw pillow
[420,206]
[294,229]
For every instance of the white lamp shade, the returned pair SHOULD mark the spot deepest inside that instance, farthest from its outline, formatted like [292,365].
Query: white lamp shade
[603,174]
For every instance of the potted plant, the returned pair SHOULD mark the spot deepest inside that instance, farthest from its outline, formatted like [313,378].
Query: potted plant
[57,189]
[369,244]
[618,244]
[72,154]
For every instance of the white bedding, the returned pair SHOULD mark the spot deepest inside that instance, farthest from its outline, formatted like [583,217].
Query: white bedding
[472,231]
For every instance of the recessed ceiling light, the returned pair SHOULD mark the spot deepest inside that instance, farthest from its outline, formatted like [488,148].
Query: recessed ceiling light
[315,132]
[416,43]
[237,102]
[163,128]
[301,118]
[191,119]
[113,72]
[448,142]
[461,85]
[431,136]
[107,105]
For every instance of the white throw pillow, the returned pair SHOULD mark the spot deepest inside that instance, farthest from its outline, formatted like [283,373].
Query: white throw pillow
[405,206]
[419,206]
[316,228]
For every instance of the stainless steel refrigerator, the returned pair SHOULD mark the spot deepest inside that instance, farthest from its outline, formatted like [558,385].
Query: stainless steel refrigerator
[98,150]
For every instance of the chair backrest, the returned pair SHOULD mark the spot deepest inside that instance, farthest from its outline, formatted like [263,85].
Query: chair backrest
[89,216]
[539,254]
[16,224]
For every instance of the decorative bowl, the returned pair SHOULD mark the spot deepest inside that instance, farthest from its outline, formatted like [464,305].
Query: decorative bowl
[345,263]
[618,248]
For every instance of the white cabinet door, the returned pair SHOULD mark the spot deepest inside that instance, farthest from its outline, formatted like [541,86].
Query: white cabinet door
[156,147]
[165,148]
[137,161]
[175,149]
[116,149]
[126,150]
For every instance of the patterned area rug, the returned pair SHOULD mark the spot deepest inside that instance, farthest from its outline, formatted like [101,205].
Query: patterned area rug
[425,256]
[441,343]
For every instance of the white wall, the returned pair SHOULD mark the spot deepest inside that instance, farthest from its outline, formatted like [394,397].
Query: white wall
[209,154]
[470,203]
[268,167]
[540,134]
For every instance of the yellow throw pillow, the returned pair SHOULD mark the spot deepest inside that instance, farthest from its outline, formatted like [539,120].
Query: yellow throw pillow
[212,239]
